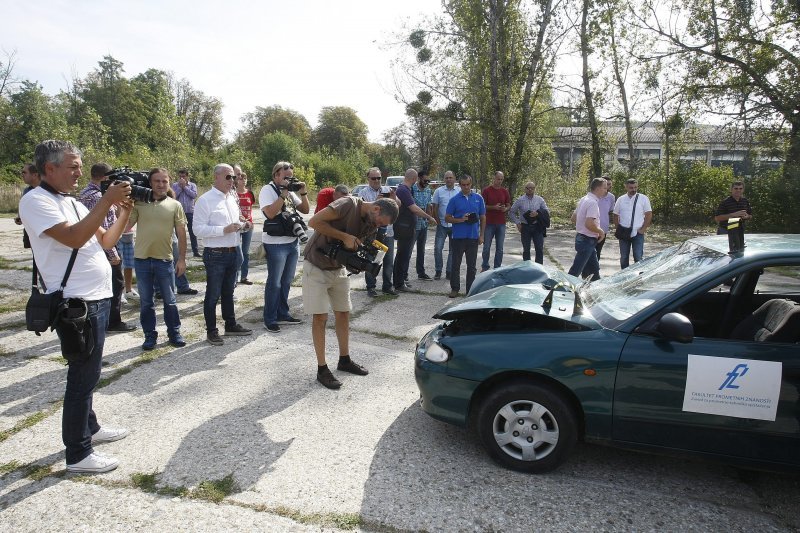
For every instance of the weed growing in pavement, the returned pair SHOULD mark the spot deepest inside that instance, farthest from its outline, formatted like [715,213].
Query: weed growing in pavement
[145,358]
[214,491]
[7,468]
[37,472]
[196,274]
[30,420]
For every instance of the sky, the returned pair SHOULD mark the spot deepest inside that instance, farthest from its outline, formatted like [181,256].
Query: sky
[301,54]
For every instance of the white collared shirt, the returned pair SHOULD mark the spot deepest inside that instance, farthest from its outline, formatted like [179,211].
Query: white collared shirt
[213,211]
[624,206]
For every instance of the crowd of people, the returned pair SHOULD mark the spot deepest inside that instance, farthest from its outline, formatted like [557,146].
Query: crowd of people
[97,230]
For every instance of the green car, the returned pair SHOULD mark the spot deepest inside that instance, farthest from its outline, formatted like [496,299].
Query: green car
[694,350]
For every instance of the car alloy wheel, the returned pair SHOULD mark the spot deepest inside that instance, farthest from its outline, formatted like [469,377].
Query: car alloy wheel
[527,427]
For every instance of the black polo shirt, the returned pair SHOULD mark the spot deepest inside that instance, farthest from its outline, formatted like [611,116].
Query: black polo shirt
[729,205]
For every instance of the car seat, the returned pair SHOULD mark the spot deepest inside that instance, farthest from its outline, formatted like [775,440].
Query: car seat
[776,321]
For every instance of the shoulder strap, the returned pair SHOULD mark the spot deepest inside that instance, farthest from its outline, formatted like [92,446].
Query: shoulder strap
[633,211]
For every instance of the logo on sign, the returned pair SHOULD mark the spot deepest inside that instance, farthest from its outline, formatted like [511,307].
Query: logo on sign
[737,372]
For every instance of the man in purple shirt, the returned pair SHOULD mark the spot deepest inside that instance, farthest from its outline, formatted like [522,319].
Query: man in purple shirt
[90,196]
[405,230]
[589,232]
[186,193]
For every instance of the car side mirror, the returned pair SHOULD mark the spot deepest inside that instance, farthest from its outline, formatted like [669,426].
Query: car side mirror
[675,327]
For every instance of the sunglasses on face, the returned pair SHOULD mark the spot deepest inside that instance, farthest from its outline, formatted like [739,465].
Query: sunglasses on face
[373,179]
[230,177]
[288,167]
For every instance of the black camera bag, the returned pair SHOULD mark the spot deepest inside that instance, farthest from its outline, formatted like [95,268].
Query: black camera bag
[279,225]
[42,309]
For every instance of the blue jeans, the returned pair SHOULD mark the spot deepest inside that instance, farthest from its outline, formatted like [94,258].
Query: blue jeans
[247,237]
[443,233]
[468,248]
[281,265]
[585,256]
[637,243]
[528,234]
[388,265]
[161,273]
[180,281]
[498,232]
[78,422]
[221,266]
[192,238]
[421,237]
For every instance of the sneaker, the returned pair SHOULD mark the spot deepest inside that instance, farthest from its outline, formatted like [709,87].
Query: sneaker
[245,281]
[390,291]
[177,341]
[94,463]
[328,379]
[191,292]
[289,321]
[425,277]
[407,284]
[122,327]
[132,294]
[372,293]
[122,299]
[149,342]
[273,328]
[237,331]
[403,288]
[351,367]
[452,294]
[109,434]
[438,275]
[213,338]
[195,254]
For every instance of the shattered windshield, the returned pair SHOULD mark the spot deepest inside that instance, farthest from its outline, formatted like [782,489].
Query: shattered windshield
[616,298]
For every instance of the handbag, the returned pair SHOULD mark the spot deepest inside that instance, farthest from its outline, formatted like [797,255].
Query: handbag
[42,309]
[621,232]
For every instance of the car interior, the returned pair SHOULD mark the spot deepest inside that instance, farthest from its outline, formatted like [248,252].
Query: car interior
[761,304]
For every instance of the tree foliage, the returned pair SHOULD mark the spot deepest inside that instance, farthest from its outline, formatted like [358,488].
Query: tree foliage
[340,129]
[270,119]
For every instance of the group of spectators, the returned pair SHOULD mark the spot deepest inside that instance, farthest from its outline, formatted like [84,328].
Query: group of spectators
[98,228]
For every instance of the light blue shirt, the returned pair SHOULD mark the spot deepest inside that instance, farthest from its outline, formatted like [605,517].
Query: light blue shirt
[442,197]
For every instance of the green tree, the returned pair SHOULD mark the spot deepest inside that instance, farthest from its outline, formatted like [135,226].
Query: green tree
[339,129]
[278,146]
[264,120]
[201,115]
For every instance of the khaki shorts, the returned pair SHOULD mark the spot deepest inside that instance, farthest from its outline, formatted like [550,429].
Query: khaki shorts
[325,289]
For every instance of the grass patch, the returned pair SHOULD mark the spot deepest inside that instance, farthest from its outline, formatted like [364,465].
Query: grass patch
[145,358]
[382,335]
[29,421]
[339,520]
[214,491]
[7,468]
[196,274]
[37,472]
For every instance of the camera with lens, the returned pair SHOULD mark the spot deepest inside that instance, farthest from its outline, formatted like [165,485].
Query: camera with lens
[294,184]
[139,181]
[366,258]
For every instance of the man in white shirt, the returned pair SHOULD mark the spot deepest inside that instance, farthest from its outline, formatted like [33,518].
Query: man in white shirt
[638,221]
[444,230]
[217,221]
[57,224]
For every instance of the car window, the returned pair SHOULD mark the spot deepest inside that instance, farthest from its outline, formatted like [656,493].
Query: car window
[779,281]
[616,298]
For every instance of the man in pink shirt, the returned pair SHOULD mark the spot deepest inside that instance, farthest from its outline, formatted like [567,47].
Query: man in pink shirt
[587,224]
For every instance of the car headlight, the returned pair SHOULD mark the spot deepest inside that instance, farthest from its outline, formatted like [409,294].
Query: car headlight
[436,353]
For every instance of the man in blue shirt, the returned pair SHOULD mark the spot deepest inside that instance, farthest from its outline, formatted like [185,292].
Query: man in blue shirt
[467,213]
[441,197]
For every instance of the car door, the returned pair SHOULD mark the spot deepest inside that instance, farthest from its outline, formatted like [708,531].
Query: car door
[657,402]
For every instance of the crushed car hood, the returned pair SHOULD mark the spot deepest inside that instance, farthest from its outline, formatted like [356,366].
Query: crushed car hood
[529,298]
[523,272]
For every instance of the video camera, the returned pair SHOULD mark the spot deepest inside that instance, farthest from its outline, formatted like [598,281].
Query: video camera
[363,259]
[139,181]
[294,184]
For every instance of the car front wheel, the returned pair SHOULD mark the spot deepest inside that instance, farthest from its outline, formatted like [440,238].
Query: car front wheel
[527,427]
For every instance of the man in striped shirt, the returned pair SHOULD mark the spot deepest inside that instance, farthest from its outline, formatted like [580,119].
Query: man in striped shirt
[734,206]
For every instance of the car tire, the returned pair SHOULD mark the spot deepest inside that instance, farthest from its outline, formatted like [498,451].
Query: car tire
[526,427]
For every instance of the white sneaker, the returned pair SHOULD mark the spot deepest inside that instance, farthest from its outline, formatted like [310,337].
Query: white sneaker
[122,299]
[132,294]
[109,434]
[94,464]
